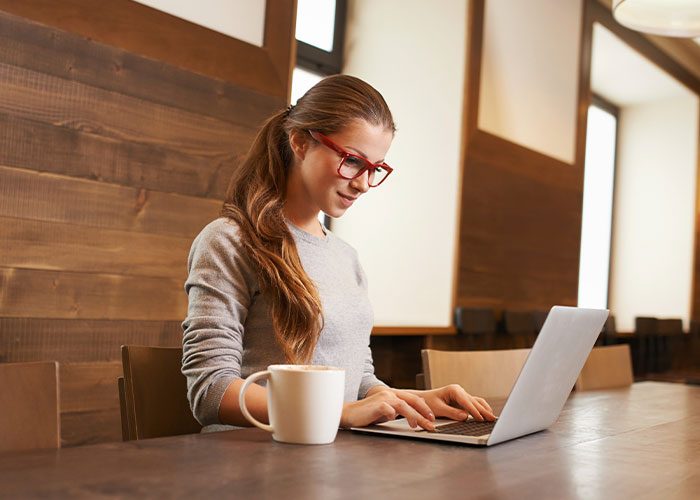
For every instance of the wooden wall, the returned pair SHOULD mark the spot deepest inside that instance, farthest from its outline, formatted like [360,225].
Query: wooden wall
[110,163]
[520,227]
[520,224]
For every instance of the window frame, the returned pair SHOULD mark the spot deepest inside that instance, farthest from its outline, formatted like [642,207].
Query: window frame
[320,61]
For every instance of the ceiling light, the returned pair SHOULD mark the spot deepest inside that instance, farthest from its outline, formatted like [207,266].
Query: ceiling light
[661,17]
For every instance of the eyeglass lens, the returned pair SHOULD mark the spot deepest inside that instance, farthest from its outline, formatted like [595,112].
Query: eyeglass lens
[352,166]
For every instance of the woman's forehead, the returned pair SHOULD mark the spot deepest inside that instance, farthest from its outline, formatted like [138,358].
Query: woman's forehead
[366,139]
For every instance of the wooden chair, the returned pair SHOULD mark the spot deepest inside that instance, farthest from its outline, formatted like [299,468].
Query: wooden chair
[127,425]
[155,393]
[478,325]
[609,333]
[538,318]
[645,332]
[669,336]
[606,367]
[488,374]
[520,327]
[420,381]
[694,344]
[29,406]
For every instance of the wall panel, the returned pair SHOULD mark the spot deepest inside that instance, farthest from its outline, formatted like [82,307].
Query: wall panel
[159,36]
[520,228]
[110,164]
[520,221]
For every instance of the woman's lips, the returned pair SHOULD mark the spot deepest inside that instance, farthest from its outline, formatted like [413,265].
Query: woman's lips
[347,200]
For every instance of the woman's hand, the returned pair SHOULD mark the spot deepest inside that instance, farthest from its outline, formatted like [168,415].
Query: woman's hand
[382,404]
[418,407]
[452,401]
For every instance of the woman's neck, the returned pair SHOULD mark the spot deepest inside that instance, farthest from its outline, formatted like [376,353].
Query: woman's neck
[308,223]
[297,208]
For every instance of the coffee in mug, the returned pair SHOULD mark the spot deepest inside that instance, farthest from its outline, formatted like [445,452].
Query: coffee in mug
[304,402]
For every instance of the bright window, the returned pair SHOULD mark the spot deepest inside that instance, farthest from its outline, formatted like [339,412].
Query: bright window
[316,23]
[596,227]
[303,80]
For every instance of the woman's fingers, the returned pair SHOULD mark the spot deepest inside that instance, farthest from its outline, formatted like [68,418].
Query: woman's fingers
[418,403]
[413,417]
[405,408]
[477,407]
[483,403]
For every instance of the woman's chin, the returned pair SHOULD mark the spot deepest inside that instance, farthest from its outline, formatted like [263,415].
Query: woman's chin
[335,213]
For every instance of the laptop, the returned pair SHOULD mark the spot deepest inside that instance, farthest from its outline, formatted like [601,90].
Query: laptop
[539,393]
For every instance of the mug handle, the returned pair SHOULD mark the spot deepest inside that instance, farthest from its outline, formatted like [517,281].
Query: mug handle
[241,399]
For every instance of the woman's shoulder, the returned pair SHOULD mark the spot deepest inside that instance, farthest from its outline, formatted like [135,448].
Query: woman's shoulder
[219,245]
[221,229]
[221,236]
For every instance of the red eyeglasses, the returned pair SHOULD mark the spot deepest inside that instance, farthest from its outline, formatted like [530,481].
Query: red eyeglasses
[353,166]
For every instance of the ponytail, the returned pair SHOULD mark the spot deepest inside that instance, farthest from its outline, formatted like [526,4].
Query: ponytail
[255,202]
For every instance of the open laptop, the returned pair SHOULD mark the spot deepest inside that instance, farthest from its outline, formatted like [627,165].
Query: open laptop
[539,393]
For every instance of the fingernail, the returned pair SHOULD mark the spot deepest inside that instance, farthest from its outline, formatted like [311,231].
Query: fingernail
[431,416]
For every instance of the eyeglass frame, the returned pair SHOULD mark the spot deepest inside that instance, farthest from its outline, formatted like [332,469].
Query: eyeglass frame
[319,137]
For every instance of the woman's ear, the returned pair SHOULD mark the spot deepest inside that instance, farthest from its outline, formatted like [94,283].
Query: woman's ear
[299,142]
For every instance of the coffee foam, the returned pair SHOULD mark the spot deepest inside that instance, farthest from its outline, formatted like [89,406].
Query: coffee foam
[304,368]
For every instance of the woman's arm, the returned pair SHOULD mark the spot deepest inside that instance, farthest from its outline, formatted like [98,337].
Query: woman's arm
[220,289]
[255,400]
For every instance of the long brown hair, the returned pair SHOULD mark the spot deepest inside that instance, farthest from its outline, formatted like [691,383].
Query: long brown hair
[255,201]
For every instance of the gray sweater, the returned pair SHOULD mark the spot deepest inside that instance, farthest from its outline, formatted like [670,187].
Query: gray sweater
[228,331]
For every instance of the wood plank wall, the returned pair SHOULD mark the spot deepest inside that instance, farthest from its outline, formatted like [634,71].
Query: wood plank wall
[520,227]
[520,224]
[110,164]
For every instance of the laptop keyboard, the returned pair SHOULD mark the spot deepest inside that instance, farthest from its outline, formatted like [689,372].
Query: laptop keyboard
[465,428]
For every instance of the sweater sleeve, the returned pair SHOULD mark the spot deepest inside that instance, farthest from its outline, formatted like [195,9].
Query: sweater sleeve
[369,380]
[220,287]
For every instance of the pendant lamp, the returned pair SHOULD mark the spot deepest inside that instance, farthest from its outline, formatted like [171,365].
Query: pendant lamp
[679,18]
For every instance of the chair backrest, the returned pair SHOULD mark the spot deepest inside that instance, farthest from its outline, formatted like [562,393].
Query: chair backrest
[127,424]
[539,317]
[488,374]
[645,325]
[518,322]
[606,367]
[669,326]
[155,393]
[29,406]
[609,332]
[475,320]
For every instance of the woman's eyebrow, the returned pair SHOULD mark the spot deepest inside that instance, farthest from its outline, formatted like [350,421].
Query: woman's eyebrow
[363,155]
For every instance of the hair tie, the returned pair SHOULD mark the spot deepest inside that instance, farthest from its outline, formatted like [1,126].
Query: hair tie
[289,109]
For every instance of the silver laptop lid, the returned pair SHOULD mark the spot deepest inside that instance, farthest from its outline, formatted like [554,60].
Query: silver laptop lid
[550,371]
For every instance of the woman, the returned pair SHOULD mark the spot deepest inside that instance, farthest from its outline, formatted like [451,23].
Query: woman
[269,284]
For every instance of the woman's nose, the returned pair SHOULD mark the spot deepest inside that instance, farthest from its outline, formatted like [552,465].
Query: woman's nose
[361,183]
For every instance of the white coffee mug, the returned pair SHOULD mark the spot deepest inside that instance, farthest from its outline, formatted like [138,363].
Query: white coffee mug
[304,402]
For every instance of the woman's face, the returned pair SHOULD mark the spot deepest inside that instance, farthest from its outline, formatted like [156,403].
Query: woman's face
[318,166]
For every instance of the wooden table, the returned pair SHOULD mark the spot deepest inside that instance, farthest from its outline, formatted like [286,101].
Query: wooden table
[641,443]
